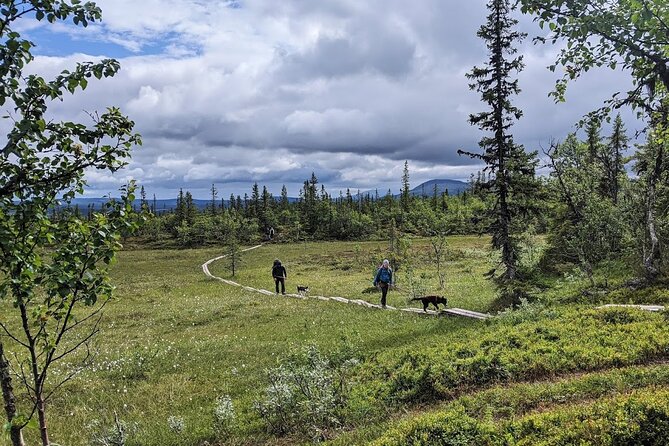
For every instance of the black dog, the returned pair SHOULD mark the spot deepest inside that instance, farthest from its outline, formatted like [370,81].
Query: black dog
[434,300]
[302,289]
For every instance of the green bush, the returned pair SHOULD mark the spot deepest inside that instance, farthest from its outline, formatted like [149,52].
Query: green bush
[639,418]
[307,392]
[516,349]
[450,429]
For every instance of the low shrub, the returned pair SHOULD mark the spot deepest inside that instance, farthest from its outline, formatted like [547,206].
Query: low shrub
[638,418]
[454,428]
[112,433]
[518,348]
[224,415]
[307,393]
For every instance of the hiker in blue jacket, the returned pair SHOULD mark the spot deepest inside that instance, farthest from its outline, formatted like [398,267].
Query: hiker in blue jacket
[383,279]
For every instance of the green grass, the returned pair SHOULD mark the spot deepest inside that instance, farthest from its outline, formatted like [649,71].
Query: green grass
[173,341]
[346,269]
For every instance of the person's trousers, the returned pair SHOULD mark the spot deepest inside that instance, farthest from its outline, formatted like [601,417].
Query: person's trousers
[384,292]
[283,284]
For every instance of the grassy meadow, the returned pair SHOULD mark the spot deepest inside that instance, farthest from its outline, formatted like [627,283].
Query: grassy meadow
[174,341]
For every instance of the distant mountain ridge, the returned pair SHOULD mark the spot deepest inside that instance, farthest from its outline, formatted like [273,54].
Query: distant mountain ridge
[454,187]
[426,189]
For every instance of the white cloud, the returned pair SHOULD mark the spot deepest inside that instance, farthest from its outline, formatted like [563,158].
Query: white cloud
[273,90]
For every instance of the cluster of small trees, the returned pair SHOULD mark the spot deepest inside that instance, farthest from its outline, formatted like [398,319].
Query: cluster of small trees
[604,212]
[595,210]
[316,215]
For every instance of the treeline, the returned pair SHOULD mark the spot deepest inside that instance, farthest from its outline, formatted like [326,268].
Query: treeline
[315,215]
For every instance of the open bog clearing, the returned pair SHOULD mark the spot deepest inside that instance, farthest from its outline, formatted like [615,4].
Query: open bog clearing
[174,341]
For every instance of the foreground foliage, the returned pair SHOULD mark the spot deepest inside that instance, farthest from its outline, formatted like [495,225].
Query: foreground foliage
[641,417]
[540,344]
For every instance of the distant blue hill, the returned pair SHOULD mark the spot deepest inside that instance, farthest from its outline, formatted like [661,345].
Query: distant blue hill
[454,187]
[161,205]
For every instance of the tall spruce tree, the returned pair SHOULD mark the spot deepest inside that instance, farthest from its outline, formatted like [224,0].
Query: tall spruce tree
[284,202]
[214,194]
[405,196]
[617,144]
[513,183]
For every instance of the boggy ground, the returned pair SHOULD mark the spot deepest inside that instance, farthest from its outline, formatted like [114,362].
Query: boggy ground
[173,341]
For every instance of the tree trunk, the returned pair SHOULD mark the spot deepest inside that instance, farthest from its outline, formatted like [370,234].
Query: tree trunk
[37,379]
[41,414]
[15,433]
[653,256]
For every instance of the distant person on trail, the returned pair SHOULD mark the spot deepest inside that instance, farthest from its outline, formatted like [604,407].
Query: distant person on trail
[279,275]
[383,279]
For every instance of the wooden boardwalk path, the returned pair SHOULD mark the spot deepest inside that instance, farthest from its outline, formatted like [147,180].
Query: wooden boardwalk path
[640,307]
[447,312]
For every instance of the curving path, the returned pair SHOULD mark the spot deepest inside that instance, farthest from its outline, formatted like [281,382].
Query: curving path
[450,311]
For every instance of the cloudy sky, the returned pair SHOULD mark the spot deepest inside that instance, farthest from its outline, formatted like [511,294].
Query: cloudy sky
[236,91]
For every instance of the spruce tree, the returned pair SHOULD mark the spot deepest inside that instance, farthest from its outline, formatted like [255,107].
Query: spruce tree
[405,197]
[180,208]
[214,194]
[144,203]
[513,182]
[254,206]
[284,203]
[617,144]
[190,209]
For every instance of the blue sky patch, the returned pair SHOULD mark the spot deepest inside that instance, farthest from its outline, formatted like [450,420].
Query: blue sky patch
[51,43]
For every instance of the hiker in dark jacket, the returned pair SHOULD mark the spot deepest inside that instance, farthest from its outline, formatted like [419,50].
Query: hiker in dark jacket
[279,275]
[383,279]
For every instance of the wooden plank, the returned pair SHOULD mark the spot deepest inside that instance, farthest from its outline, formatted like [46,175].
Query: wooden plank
[640,307]
[469,313]
[296,296]
[419,311]
[466,313]
[340,299]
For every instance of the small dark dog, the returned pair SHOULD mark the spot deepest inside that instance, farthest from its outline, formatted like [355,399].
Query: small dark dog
[302,289]
[434,300]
